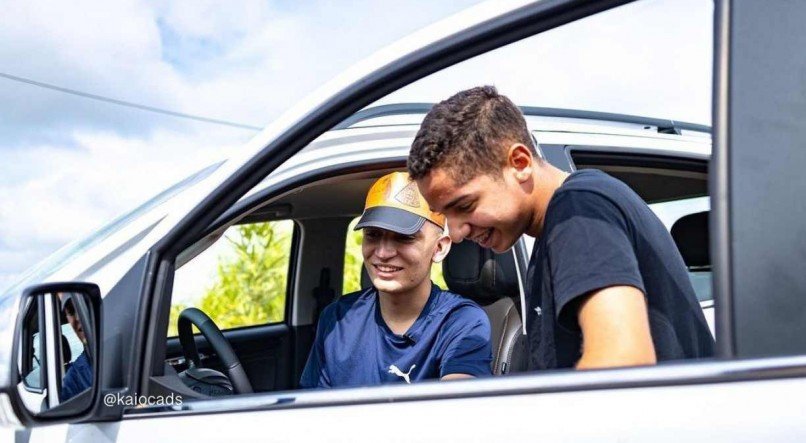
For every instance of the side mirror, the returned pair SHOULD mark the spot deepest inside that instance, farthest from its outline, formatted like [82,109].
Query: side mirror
[57,351]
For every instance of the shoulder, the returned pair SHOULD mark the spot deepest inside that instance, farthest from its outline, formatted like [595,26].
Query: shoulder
[593,180]
[346,304]
[596,196]
[83,357]
[348,300]
[460,311]
[588,184]
[594,190]
[80,364]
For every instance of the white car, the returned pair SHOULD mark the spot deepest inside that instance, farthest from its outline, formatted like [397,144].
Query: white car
[303,180]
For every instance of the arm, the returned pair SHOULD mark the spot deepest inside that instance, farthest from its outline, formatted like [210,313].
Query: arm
[315,375]
[598,287]
[468,351]
[78,377]
[615,329]
[456,377]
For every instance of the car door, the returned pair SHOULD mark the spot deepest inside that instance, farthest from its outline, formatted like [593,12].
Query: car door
[254,315]
[554,396]
[665,403]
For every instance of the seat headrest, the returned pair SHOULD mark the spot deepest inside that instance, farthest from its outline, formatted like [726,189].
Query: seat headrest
[690,233]
[480,274]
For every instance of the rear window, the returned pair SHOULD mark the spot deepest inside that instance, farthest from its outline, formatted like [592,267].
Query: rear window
[671,212]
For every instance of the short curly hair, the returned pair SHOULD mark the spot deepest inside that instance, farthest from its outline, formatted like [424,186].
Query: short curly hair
[470,131]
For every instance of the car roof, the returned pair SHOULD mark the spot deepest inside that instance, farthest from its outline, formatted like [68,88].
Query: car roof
[384,136]
[388,130]
[375,115]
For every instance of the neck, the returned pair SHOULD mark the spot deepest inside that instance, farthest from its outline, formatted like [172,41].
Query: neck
[548,180]
[400,310]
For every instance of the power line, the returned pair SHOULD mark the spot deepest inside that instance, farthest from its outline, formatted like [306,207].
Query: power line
[128,104]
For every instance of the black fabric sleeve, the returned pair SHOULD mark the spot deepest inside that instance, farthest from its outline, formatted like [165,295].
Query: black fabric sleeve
[589,248]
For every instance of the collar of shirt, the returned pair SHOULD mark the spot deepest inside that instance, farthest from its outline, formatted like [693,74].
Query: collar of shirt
[416,329]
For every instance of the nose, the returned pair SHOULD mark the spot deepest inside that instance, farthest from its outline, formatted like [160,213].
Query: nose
[386,248]
[458,229]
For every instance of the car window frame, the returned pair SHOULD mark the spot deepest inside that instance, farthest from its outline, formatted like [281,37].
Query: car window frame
[544,17]
[707,369]
[696,372]
[290,278]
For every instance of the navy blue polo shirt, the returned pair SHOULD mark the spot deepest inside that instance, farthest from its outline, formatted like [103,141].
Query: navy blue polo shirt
[354,346]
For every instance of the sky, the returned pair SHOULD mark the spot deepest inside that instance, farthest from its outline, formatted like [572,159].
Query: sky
[68,164]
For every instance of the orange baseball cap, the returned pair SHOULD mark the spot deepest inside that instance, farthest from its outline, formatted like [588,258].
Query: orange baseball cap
[394,203]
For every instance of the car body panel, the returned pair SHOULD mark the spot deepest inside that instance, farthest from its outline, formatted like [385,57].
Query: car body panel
[639,414]
[704,402]
[741,400]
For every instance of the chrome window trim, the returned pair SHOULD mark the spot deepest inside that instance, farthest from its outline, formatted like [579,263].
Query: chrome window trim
[52,351]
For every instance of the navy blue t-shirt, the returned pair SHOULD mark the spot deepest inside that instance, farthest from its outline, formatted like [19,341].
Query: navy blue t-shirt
[599,233]
[77,378]
[354,346]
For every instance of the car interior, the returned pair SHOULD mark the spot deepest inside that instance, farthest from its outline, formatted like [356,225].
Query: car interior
[273,355]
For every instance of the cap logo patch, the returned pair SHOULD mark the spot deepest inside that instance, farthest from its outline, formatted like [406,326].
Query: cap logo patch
[408,195]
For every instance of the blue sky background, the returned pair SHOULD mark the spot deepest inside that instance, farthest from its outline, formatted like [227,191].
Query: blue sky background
[71,164]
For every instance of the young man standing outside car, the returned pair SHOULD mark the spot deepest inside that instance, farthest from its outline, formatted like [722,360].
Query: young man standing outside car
[606,285]
[404,328]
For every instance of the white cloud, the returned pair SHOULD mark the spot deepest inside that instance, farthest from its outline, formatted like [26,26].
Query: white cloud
[204,19]
[106,48]
[650,58]
[244,63]
[71,192]
[71,164]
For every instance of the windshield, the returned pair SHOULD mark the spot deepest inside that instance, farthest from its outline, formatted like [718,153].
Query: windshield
[63,256]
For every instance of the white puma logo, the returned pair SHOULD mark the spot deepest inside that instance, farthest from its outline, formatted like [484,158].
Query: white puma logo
[395,370]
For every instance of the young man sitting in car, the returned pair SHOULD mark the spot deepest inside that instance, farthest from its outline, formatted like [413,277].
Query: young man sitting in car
[404,328]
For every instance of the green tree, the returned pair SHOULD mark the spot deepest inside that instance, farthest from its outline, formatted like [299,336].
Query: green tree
[353,259]
[251,278]
[250,287]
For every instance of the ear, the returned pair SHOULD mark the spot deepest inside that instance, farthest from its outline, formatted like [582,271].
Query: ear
[443,247]
[520,159]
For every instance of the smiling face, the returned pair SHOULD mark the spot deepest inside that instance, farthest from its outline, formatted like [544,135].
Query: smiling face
[75,323]
[492,211]
[475,161]
[399,264]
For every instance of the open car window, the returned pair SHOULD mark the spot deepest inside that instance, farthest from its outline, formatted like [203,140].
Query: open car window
[241,280]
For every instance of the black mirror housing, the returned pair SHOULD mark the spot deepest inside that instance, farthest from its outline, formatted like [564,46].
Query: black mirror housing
[56,354]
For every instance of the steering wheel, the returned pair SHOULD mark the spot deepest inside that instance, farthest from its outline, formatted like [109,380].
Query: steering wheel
[195,317]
